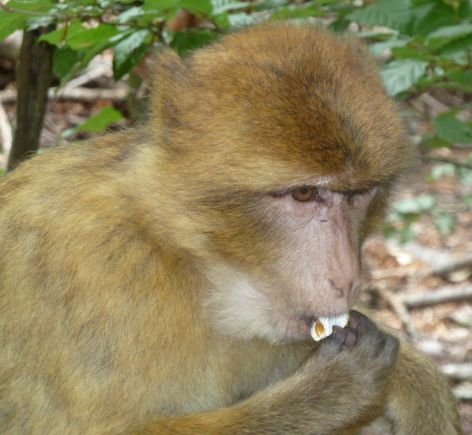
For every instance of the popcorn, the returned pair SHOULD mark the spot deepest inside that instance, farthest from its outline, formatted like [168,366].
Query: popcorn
[323,327]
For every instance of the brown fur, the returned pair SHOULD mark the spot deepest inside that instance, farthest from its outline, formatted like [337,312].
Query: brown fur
[105,246]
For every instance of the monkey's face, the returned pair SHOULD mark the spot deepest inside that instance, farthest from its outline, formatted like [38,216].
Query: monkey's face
[295,258]
[282,144]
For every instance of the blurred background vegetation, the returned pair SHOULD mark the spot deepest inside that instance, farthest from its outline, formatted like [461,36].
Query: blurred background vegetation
[69,69]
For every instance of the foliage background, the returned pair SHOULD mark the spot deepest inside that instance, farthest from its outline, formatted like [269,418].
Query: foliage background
[102,51]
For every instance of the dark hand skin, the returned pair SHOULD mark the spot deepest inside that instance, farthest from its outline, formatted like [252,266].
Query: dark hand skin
[362,356]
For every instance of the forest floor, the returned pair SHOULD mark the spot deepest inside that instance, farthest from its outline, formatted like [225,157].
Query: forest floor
[402,277]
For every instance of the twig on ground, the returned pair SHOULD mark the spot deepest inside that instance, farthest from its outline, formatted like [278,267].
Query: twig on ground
[441,349]
[431,257]
[94,72]
[76,94]
[459,372]
[439,296]
[399,309]
[438,262]
[452,266]
[449,160]
[86,94]
[392,272]
[427,103]
[463,391]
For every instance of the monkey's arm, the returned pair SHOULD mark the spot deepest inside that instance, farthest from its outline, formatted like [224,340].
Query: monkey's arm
[341,387]
[294,406]
[420,400]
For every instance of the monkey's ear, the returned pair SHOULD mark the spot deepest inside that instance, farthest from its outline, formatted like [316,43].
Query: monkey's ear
[365,61]
[171,74]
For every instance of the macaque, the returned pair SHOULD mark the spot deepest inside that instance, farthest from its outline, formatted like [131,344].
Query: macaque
[164,279]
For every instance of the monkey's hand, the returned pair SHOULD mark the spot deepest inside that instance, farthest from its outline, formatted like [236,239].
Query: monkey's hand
[352,371]
[341,387]
[420,400]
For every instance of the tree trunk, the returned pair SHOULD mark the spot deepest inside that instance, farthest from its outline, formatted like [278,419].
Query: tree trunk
[33,81]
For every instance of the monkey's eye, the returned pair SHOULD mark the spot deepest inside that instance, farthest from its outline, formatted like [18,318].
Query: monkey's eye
[306,194]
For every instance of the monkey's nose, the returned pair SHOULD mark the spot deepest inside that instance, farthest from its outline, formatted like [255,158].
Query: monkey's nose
[343,290]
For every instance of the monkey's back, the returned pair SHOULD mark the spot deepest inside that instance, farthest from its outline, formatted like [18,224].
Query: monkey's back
[78,330]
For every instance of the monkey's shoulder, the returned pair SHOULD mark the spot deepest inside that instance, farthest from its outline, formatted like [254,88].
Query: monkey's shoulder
[89,183]
[71,168]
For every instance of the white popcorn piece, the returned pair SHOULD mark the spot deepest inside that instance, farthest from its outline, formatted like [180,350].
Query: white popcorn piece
[323,327]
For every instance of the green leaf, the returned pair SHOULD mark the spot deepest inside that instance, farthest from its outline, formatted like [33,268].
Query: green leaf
[461,76]
[465,175]
[88,38]
[395,14]
[267,5]
[57,37]
[88,55]
[85,2]
[137,14]
[340,25]
[444,170]
[468,201]
[42,21]
[412,53]
[160,5]
[189,40]
[439,16]
[461,80]
[445,35]
[458,45]
[129,14]
[130,51]
[242,19]
[417,205]
[379,48]
[296,11]
[10,23]
[222,6]
[65,61]
[420,12]
[38,6]
[204,7]
[451,129]
[445,222]
[221,21]
[400,75]
[405,233]
[436,142]
[101,121]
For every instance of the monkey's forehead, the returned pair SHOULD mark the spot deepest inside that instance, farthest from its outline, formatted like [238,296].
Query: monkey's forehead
[297,95]
[285,56]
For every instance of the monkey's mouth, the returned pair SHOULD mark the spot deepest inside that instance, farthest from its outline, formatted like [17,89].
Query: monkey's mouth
[319,328]
[299,327]
[307,322]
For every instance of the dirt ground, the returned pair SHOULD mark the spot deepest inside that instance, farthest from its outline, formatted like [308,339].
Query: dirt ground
[444,330]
